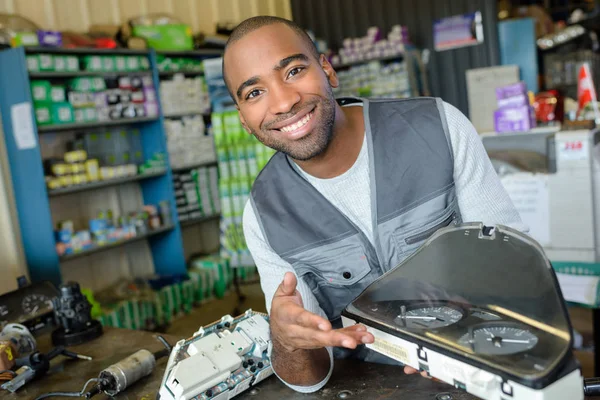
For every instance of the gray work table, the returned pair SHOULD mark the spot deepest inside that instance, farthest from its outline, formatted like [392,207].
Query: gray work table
[350,380]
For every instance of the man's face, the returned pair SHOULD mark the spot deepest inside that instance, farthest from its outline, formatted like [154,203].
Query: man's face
[284,94]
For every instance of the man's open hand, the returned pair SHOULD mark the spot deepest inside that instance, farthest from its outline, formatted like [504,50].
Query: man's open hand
[293,327]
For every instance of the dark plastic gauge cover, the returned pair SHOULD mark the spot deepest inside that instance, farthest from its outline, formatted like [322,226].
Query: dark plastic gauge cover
[486,296]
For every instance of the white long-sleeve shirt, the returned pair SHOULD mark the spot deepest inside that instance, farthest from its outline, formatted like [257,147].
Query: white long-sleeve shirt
[481,198]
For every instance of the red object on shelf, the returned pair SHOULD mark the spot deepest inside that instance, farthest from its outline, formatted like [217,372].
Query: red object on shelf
[549,107]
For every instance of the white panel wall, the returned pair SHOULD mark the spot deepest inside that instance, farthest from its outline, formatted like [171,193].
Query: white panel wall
[202,15]
[12,259]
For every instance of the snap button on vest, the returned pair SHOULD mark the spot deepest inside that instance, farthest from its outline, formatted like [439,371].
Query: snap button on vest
[347,275]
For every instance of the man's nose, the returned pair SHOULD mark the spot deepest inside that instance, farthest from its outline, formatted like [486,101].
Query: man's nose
[283,98]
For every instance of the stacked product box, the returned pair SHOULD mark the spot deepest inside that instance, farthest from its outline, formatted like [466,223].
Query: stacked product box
[188,143]
[183,95]
[141,304]
[240,158]
[101,155]
[515,112]
[91,99]
[105,228]
[373,45]
[93,63]
[197,193]
[375,79]
[178,64]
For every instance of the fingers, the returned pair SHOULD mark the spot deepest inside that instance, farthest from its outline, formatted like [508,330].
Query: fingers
[349,338]
[410,370]
[307,319]
[287,287]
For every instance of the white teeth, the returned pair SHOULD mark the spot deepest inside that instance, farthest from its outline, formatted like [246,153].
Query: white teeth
[297,125]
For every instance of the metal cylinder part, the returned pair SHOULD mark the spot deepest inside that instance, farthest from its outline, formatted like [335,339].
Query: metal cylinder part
[124,373]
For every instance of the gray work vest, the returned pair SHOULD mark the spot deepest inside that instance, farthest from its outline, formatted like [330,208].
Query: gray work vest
[411,169]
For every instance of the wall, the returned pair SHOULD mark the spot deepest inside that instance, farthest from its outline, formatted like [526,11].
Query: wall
[335,19]
[12,262]
[201,15]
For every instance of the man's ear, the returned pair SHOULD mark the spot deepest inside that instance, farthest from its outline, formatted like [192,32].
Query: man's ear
[329,72]
[243,120]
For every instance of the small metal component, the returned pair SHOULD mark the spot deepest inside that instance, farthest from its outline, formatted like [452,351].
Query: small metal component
[124,373]
[254,391]
[344,394]
[443,396]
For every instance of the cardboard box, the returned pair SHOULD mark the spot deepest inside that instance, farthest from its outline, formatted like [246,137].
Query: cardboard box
[58,94]
[60,63]
[41,91]
[514,101]
[516,89]
[46,62]
[62,113]
[72,63]
[43,114]
[33,63]
[518,119]
[92,63]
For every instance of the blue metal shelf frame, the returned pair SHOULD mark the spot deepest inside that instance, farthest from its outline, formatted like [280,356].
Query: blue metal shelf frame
[31,195]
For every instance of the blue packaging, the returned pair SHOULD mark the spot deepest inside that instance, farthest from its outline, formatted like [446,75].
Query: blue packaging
[63,236]
[98,225]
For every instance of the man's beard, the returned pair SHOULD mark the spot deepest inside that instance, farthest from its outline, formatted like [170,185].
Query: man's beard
[312,145]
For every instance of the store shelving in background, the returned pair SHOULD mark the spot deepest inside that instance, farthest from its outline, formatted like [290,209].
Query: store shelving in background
[39,131]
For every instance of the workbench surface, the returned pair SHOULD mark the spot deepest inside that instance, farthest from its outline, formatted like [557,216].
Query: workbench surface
[350,379]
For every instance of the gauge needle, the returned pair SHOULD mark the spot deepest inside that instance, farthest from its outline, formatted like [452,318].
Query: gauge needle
[35,309]
[511,341]
[417,317]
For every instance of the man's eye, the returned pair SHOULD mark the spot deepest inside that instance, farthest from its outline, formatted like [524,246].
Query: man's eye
[295,71]
[253,93]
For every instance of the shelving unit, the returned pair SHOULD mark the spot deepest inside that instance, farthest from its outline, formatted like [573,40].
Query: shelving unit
[91,125]
[120,243]
[33,200]
[104,183]
[188,167]
[196,221]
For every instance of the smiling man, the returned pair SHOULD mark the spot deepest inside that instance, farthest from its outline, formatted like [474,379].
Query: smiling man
[356,186]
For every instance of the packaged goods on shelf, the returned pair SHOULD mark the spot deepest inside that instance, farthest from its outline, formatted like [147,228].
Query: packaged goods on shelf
[375,79]
[372,46]
[183,95]
[178,64]
[91,63]
[188,143]
[240,159]
[515,112]
[91,99]
[196,193]
[101,155]
[106,228]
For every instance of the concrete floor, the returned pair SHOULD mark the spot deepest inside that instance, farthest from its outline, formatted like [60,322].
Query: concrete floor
[185,326]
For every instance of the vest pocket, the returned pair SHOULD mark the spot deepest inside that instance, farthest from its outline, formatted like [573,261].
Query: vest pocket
[412,240]
[336,275]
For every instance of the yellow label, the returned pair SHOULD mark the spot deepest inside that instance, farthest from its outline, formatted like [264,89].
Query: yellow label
[392,350]
[8,350]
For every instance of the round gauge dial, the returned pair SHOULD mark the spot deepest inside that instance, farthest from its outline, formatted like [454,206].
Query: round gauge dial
[3,311]
[433,317]
[35,302]
[499,340]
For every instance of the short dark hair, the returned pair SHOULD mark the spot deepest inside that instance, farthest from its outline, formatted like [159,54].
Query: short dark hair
[251,24]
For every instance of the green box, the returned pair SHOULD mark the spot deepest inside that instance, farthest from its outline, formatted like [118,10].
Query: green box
[46,62]
[98,84]
[24,39]
[92,63]
[43,115]
[166,37]
[133,63]
[120,63]
[40,91]
[33,63]
[144,63]
[108,64]
[60,63]
[81,84]
[72,63]
[58,94]
[62,113]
